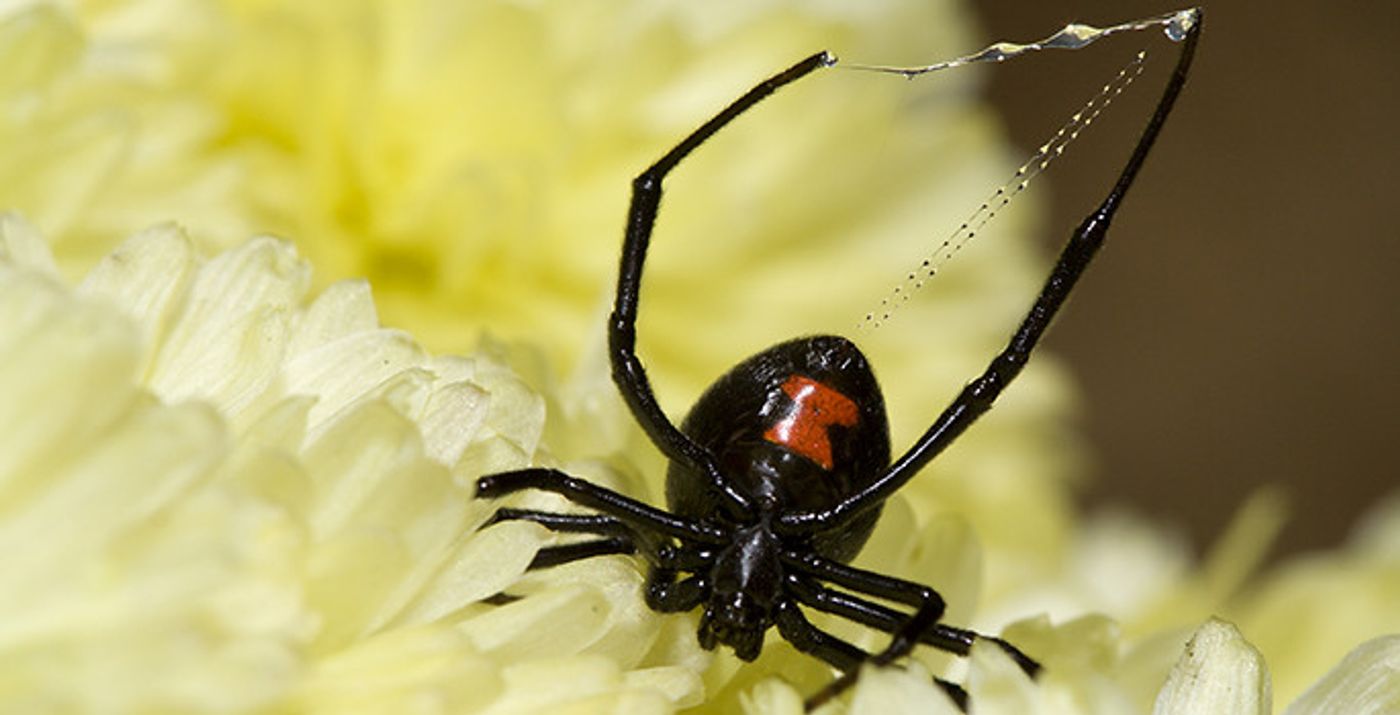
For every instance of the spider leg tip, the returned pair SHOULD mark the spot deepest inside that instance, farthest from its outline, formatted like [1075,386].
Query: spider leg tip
[488,487]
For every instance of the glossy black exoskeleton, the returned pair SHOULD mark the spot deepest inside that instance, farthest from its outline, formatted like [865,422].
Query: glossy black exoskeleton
[799,426]
[779,472]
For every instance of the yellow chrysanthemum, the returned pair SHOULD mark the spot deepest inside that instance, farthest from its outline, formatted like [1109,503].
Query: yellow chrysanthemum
[216,495]
[472,161]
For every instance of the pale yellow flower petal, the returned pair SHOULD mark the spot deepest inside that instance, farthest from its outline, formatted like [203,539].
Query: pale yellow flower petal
[453,414]
[679,684]
[231,337]
[997,684]
[481,566]
[343,309]
[23,246]
[1366,682]
[411,670]
[889,691]
[112,575]
[1124,563]
[1220,672]
[36,44]
[772,697]
[146,278]
[280,561]
[1084,671]
[68,377]
[545,622]
[1310,611]
[943,551]
[573,685]
[381,363]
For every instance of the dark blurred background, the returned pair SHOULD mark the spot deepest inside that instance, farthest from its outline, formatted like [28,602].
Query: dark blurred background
[1241,329]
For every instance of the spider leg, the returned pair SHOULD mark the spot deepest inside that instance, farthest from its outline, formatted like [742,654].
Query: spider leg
[946,638]
[637,515]
[667,593]
[929,606]
[978,396]
[794,627]
[957,641]
[839,653]
[551,556]
[627,369]
[659,550]
[564,553]
[619,539]
[600,524]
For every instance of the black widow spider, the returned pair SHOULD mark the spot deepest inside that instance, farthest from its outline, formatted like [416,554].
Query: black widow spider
[780,470]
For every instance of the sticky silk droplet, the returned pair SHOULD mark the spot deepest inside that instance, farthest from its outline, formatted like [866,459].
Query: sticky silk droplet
[1176,25]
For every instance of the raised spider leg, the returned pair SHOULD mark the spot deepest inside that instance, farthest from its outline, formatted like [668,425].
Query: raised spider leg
[637,515]
[978,396]
[627,369]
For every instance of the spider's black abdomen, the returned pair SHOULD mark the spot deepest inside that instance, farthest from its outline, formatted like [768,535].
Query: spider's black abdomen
[799,426]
